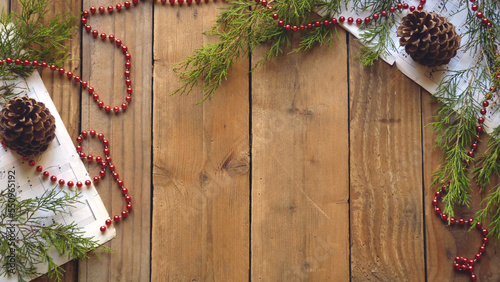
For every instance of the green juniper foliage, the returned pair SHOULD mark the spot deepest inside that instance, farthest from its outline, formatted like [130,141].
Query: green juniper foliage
[27,239]
[28,36]
[243,25]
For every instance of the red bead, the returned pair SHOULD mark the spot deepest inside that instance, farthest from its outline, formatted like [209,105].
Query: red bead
[103,228]
[457,259]
[34,63]
[275,16]
[31,163]
[484,231]
[70,183]
[479,225]
[470,154]
[334,21]
[392,9]
[105,142]
[61,181]
[457,266]
[79,139]
[400,6]
[103,36]
[479,15]
[115,175]
[108,159]
[128,65]
[124,106]
[317,24]
[405,6]
[124,190]
[281,23]
[92,133]
[106,151]
[420,7]
[98,159]
[116,109]
[486,104]
[101,9]
[135,2]
[480,120]
[79,184]
[326,22]
[434,202]
[53,178]
[444,216]
[437,194]
[126,4]
[128,82]
[478,256]
[367,20]
[482,249]
[124,214]
[104,165]
[119,6]
[461,221]
[124,48]
[110,9]
[483,111]
[88,28]
[422,2]
[341,19]
[77,79]
[128,56]
[95,33]
[111,37]
[118,42]
[126,73]
[45,174]
[88,183]
[92,9]
[90,158]
[107,109]
[96,179]
[471,262]
[112,167]
[350,20]
[437,210]
[474,145]
[471,268]
[470,221]
[485,21]
[359,21]
[128,199]
[464,267]
[485,240]
[108,222]
[474,7]
[120,183]
[129,207]
[83,20]
[39,169]
[69,74]
[44,64]
[116,218]
[102,173]
[452,220]
[26,62]
[473,277]
[61,71]
[18,62]
[128,99]
[26,158]
[53,67]
[85,13]
[375,16]
[8,60]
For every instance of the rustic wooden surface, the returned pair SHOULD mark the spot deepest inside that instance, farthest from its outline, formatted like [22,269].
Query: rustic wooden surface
[312,168]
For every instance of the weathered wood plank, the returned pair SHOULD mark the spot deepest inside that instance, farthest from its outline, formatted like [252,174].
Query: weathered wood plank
[445,242]
[200,161]
[387,242]
[66,97]
[300,226]
[129,134]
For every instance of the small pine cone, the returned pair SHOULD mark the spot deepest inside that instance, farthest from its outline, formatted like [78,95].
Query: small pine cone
[26,126]
[429,38]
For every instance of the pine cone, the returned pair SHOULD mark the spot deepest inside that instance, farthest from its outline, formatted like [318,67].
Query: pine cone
[429,38]
[26,126]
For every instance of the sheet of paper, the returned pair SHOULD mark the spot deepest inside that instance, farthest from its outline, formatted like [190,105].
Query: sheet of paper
[427,77]
[61,160]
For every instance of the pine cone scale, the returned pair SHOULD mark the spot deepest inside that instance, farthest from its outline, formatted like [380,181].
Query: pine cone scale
[428,38]
[26,126]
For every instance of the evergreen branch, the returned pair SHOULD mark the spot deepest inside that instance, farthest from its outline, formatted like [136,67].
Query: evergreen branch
[27,35]
[376,40]
[27,238]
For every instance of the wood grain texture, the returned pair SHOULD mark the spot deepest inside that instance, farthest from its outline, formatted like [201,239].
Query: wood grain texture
[129,134]
[65,96]
[387,240]
[444,242]
[300,166]
[201,161]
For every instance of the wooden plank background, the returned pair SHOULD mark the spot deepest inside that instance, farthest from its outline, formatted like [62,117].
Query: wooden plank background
[311,168]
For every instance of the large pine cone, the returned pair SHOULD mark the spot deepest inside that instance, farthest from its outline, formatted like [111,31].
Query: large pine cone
[26,126]
[429,38]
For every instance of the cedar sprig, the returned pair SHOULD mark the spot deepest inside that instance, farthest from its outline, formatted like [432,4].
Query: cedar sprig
[377,41]
[27,35]
[36,236]
[244,25]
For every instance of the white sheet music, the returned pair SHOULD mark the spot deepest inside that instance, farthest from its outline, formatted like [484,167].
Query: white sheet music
[61,160]
[427,77]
